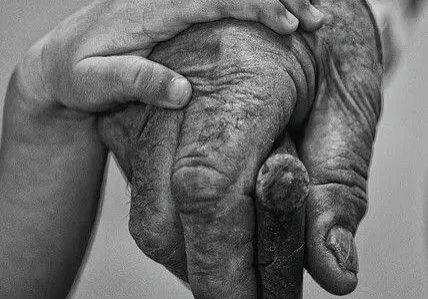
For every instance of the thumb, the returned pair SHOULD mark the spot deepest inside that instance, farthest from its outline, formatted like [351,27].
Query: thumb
[331,254]
[336,150]
[103,82]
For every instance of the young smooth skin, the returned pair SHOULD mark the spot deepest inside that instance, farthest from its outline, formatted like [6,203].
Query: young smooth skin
[52,159]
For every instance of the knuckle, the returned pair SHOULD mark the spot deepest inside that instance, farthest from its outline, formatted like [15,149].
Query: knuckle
[264,8]
[142,76]
[82,89]
[303,6]
[335,203]
[347,169]
[339,187]
[198,188]
[256,10]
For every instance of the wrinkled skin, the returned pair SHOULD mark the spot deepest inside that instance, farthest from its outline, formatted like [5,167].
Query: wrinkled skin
[193,172]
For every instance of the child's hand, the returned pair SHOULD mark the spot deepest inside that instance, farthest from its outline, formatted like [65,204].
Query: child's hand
[310,18]
[96,57]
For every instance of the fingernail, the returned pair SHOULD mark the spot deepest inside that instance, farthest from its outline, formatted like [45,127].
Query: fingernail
[179,91]
[341,242]
[289,24]
[317,14]
[291,19]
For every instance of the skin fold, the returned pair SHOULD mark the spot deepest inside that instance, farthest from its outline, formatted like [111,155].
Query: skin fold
[193,172]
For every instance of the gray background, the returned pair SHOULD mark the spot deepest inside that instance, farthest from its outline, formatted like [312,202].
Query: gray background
[391,239]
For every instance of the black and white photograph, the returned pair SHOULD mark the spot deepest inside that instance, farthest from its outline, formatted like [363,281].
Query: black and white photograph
[214,149]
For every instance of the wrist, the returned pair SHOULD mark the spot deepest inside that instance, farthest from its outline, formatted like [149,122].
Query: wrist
[32,120]
[30,107]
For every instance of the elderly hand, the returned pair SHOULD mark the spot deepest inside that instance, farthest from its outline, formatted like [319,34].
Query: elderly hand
[51,156]
[193,172]
[209,154]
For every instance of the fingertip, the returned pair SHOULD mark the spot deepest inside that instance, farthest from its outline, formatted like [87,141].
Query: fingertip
[316,13]
[179,92]
[332,261]
[289,23]
[315,19]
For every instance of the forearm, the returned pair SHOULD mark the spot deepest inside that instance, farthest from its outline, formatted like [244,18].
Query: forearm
[50,178]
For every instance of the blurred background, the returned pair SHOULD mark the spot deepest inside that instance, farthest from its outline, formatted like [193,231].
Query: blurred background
[392,240]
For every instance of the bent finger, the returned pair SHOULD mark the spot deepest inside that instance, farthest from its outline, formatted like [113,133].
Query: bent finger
[143,142]
[218,232]
[154,221]
[103,82]
[281,190]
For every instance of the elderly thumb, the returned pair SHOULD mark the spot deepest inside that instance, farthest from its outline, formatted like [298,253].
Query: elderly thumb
[331,255]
